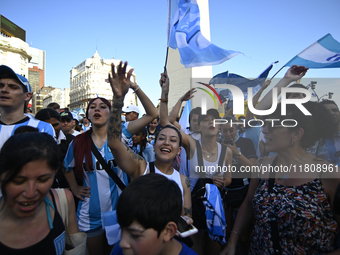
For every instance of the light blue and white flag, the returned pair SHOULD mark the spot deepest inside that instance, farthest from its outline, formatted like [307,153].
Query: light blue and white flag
[184,120]
[214,212]
[184,33]
[325,53]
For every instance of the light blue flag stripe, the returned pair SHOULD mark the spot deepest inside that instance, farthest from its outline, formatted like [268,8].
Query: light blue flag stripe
[185,34]
[325,53]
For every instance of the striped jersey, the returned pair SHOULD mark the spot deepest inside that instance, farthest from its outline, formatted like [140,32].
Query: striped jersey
[104,191]
[6,131]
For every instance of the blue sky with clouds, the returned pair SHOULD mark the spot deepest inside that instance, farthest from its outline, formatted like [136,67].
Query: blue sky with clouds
[264,30]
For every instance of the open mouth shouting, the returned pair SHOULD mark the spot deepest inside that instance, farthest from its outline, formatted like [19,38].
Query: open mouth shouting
[96,115]
[27,206]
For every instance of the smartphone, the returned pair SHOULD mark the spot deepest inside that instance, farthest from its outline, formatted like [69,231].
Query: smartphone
[228,142]
[185,229]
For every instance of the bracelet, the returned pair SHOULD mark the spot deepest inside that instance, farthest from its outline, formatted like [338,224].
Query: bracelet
[135,90]
[233,231]
[163,100]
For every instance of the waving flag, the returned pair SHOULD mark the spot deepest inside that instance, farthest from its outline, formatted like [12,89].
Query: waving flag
[184,33]
[325,53]
[239,81]
[214,212]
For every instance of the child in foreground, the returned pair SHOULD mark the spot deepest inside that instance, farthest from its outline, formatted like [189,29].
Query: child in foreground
[148,211]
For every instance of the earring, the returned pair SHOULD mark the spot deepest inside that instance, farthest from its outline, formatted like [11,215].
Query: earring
[292,143]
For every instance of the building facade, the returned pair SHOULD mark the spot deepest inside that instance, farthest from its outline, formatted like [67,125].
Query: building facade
[59,96]
[38,61]
[38,98]
[36,78]
[89,80]
[14,53]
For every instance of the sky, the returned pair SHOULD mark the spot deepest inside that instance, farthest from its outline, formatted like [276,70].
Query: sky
[265,31]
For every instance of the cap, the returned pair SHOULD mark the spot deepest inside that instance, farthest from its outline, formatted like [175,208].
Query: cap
[66,115]
[212,112]
[7,72]
[131,108]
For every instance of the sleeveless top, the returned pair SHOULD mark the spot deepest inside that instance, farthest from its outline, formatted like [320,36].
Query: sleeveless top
[175,176]
[210,168]
[53,243]
[306,224]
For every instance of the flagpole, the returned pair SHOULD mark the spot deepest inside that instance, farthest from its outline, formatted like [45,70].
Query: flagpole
[166,58]
[277,72]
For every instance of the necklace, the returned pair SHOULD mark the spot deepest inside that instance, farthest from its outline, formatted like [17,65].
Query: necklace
[286,176]
[208,153]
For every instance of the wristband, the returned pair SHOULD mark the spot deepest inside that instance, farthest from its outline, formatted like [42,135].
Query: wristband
[135,90]
[163,100]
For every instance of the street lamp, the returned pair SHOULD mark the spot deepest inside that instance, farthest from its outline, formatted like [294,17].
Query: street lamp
[329,94]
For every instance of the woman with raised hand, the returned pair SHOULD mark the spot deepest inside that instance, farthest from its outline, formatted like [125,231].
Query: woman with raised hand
[30,212]
[212,155]
[166,146]
[293,210]
[99,192]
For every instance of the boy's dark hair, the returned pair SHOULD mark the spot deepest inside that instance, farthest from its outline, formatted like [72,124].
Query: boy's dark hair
[152,200]
[47,113]
[26,129]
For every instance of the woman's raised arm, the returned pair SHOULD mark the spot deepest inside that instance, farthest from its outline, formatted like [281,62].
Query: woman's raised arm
[127,160]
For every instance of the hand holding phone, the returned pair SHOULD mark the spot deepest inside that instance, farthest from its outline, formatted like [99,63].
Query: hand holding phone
[184,229]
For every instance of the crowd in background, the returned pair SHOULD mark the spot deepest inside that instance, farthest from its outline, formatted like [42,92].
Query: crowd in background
[143,173]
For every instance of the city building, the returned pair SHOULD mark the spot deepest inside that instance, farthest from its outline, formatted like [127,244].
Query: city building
[36,78]
[38,98]
[89,80]
[38,61]
[59,96]
[14,53]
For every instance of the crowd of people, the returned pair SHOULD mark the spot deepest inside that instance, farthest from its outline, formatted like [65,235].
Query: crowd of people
[147,172]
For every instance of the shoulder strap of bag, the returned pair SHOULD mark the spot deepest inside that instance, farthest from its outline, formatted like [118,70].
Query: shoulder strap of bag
[273,224]
[199,153]
[152,167]
[200,157]
[107,168]
[63,206]
[222,156]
